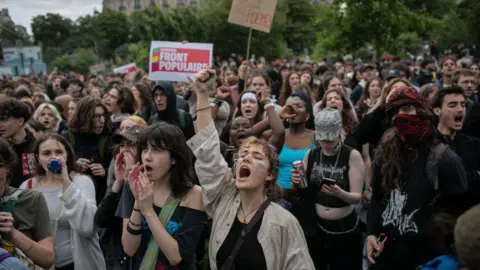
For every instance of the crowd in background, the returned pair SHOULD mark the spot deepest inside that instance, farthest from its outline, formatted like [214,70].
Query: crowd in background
[148,173]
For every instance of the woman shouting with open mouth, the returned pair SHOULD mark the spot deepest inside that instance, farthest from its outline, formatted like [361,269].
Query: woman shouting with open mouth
[250,230]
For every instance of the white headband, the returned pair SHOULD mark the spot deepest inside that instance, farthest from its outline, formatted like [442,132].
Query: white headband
[250,96]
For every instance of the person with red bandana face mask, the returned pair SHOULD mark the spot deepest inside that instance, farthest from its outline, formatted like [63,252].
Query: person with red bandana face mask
[405,191]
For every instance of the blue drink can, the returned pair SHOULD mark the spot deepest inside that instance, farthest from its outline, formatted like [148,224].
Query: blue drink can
[54,166]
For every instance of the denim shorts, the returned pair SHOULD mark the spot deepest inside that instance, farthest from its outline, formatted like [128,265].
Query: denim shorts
[7,262]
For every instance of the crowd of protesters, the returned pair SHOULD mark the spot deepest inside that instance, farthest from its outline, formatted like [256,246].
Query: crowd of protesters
[338,165]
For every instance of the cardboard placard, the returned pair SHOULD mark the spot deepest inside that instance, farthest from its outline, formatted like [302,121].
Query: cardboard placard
[97,68]
[175,61]
[256,14]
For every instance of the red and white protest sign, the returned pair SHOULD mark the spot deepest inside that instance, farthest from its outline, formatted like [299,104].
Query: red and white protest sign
[130,68]
[175,61]
[256,14]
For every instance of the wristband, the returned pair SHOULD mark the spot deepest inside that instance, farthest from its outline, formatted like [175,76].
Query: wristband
[134,224]
[217,101]
[135,209]
[30,248]
[204,108]
[132,231]
[269,104]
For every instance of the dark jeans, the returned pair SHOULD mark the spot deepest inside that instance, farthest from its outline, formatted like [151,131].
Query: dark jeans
[66,267]
[340,251]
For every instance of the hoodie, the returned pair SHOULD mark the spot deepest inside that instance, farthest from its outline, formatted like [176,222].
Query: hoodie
[171,114]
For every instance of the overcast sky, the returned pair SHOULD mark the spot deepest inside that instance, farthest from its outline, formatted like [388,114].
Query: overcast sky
[22,11]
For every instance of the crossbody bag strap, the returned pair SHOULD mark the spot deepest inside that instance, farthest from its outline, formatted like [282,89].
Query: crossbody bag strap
[149,260]
[227,265]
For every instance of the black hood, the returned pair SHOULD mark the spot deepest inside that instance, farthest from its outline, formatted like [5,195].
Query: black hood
[170,113]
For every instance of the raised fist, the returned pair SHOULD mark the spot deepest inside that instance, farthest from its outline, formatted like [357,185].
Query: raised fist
[205,80]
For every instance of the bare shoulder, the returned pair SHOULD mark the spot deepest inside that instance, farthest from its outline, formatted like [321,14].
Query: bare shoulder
[355,155]
[194,199]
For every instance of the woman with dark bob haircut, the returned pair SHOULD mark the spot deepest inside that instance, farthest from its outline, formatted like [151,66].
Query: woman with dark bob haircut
[165,218]
[24,225]
[71,203]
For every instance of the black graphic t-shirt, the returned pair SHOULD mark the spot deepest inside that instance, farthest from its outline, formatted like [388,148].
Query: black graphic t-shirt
[334,168]
[403,214]
[406,210]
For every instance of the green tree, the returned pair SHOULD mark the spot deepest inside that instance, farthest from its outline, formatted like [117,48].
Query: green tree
[372,21]
[51,29]
[11,34]
[138,53]
[83,59]
[79,61]
[300,17]
[329,38]
[469,11]
[113,30]
[230,38]
[62,63]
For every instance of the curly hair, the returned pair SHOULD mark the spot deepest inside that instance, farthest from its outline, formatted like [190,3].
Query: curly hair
[170,138]
[349,122]
[83,119]
[389,156]
[126,99]
[273,191]
[14,108]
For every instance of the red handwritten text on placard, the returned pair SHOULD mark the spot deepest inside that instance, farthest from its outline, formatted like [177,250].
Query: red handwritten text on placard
[256,17]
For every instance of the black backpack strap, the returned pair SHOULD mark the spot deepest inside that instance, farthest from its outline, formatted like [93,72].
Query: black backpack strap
[436,153]
[181,119]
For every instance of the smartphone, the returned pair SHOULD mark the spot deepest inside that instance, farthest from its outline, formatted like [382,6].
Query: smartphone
[329,181]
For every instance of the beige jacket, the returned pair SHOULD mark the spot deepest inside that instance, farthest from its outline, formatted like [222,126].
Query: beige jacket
[280,234]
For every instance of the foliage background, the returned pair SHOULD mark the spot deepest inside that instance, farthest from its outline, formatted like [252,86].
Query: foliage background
[358,27]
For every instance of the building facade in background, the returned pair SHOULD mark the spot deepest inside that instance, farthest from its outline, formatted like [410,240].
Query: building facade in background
[129,6]
[22,60]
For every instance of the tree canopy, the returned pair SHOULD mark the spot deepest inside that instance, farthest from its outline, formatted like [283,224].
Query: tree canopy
[345,26]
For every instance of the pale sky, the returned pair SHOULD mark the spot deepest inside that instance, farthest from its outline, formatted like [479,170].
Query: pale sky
[22,11]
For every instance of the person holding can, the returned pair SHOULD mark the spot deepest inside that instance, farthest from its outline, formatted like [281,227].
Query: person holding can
[70,197]
[333,185]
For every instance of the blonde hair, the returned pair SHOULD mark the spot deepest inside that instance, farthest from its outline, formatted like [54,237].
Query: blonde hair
[273,191]
[137,119]
[54,110]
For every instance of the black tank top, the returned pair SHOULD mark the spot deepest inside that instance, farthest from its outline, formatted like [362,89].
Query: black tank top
[316,172]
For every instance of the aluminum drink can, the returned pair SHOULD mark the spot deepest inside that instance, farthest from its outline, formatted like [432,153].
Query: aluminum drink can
[298,165]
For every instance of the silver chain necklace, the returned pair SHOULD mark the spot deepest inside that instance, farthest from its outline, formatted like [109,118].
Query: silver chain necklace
[334,166]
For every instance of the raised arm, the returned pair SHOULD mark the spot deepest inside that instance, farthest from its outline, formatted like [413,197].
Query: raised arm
[212,170]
